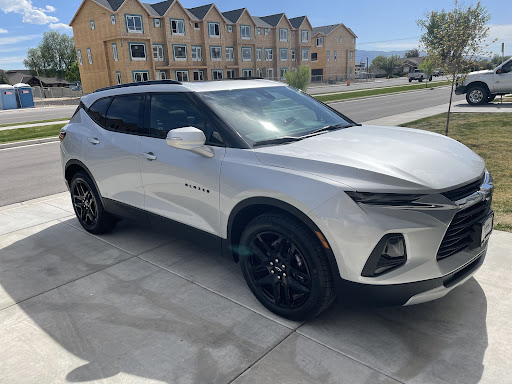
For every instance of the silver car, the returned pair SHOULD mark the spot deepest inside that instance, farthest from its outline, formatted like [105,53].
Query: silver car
[311,204]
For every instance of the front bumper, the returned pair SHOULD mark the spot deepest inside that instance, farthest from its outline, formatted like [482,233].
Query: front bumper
[460,89]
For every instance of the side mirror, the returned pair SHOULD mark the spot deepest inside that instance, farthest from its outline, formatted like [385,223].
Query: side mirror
[190,139]
[498,71]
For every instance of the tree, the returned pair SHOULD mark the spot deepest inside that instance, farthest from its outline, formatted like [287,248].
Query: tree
[53,56]
[3,77]
[413,53]
[454,39]
[300,78]
[73,73]
[427,66]
[497,59]
[387,64]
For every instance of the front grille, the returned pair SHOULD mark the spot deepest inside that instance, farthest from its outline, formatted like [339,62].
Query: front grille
[458,235]
[464,191]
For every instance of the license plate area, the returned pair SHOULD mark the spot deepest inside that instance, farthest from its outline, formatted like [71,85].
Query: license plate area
[482,231]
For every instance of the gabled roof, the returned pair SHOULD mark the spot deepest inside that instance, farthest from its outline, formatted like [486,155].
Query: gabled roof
[234,15]
[273,20]
[150,9]
[200,12]
[260,23]
[113,5]
[161,7]
[326,29]
[297,21]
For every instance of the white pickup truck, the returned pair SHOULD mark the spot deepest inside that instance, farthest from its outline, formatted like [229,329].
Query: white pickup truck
[483,86]
[418,75]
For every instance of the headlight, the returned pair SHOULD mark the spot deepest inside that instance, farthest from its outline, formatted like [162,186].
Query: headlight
[386,199]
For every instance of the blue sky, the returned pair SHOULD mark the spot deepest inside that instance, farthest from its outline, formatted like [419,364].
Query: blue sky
[380,25]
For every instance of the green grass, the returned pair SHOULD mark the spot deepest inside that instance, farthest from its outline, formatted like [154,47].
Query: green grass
[34,122]
[11,135]
[377,91]
[489,135]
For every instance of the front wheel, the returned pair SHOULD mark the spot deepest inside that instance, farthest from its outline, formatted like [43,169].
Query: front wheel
[286,267]
[477,95]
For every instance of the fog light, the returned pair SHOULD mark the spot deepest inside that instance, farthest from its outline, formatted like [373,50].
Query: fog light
[388,254]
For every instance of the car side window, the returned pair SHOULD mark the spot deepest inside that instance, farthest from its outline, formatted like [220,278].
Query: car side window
[507,67]
[171,111]
[124,114]
[98,110]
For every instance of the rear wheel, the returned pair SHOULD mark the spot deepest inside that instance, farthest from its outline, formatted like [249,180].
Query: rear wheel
[87,205]
[285,267]
[410,80]
[420,79]
[477,95]
[491,98]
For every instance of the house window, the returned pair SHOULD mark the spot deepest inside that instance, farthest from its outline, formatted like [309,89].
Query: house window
[198,75]
[156,23]
[158,52]
[245,32]
[181,75]
[92,24]
[350,71]
[134,24]
[230,73]
[283,34]
[266,31]
[197,53]
[196,26]
[230,54]
[320,41]
[305,54]
[341,39]
[270,73]
[230,28]
[335,56]
[214,30]
[282,71]
[215,53]
[114,51]
[139,76]
[259,72]
[304,36]
[118,78]
[89,55]
[217,74]
[79,55]
[137,51]
[259,54]
[246,53]
[283,54]
[353,40]
[314,56]
[351,55]
[328,55]
[179,52]
[269,54]
[258,30]
[246,72]
[177,27]
[292,51]
[113,19]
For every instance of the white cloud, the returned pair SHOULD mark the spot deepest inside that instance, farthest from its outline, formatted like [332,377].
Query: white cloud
[17,39]
[3,30]
[59,26]
[31,14]
[503,34]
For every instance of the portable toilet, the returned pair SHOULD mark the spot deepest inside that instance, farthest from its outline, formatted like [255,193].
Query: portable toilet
[7,97]
[24,96]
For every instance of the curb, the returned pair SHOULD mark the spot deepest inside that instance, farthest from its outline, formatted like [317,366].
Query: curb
[29,142]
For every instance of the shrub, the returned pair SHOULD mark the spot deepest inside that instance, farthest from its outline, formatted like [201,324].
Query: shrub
[300,78]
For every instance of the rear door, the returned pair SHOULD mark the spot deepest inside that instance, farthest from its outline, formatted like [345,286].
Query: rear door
[179,184]
[112,147]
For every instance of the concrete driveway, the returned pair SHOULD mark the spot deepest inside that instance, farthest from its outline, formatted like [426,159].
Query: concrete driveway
[139,306]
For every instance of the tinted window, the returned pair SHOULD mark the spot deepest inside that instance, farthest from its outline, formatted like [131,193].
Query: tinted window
[98,110]
[124,115]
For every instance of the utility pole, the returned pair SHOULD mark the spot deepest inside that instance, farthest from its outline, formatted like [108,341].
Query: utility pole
[367,70]
[502,52]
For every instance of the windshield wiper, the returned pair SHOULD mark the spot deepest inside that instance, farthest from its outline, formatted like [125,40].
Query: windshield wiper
[278,140]
[332,127]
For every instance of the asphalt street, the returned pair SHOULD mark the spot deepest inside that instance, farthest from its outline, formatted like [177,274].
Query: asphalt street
[35,171]
[36,114]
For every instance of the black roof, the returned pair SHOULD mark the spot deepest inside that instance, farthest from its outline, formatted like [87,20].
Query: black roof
[234,15]
[200,12]
[273,20]
[162,6]
[296,22]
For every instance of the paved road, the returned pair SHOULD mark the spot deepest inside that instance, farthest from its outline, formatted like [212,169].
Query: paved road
[34,171]
[36,114]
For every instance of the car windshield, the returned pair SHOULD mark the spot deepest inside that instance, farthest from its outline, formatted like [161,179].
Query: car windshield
[263,114]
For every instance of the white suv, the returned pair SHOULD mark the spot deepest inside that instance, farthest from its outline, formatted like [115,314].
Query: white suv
[310,203]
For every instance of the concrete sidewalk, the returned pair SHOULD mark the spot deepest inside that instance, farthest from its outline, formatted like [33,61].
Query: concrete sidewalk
[139,306]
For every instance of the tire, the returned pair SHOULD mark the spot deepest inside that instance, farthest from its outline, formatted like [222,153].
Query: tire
[491,98]
[420,79]
[285,266]
[88,206]
[410,80]
[430,78]
[477,95]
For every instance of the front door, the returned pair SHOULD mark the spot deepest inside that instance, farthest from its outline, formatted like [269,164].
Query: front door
[178,184]
[503,80]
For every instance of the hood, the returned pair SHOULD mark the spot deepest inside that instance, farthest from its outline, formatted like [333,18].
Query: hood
[380,159]
[479,74]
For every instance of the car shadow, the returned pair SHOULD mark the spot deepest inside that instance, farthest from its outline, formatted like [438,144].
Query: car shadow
[124,319]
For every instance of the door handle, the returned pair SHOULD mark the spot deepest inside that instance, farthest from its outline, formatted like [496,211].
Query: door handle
[149,156]
[93,140]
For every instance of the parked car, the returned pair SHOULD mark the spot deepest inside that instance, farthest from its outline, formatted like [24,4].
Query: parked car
[482,87]
[439,72]
[311,204]
[418,75]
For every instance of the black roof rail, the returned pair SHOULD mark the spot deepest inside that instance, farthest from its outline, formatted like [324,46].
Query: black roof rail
[246,78]
[151,82]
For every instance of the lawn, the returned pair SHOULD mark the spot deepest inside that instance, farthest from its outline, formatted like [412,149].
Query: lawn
[34,122]
[489,135]
[377,91]
[19,134]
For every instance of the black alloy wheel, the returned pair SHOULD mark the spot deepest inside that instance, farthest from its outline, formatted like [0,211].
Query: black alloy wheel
[85,204]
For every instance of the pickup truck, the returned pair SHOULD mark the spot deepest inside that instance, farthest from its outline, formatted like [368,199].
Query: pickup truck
[418,75]
[483,86]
